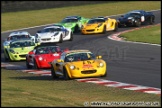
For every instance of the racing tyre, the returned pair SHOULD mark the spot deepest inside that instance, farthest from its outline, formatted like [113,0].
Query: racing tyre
[151,20]
[5,58]
[137,23]
[35,65]
[9,59]
[104,29]
[27,65]
[66,76]
[76,29]
[61,40]
[116,27]
[53,73]
[71,36]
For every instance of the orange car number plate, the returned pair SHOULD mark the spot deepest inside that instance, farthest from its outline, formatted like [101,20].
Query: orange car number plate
[87,66]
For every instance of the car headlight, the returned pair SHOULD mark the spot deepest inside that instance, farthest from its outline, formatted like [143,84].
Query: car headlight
[99,25]
[101,64]
[56,34]
[12,51]
[66,33]
[72,67]
[40,58]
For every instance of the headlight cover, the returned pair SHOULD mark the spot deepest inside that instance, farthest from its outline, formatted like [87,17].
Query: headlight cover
[40,58]
[12,51]
[101,64]
[99,25]
[56,33]
[72,67]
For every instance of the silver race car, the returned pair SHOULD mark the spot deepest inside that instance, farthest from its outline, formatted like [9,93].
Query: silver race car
[54,33]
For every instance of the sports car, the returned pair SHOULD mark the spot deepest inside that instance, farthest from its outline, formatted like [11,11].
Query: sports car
[18,49]
[74,22]
[136,18]
[99,25]
[17,35]
[41,55]
[78,64]
[55,33]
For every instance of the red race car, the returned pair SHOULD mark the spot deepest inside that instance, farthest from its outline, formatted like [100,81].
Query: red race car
[41,55]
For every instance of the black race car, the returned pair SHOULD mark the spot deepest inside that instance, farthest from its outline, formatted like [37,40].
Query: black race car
[136,18]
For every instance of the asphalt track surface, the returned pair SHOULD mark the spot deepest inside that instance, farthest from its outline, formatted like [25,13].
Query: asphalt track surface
[126,62]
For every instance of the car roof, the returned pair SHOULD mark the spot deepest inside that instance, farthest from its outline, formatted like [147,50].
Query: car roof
[19,33]
[72,17]
[136,11]
[101,17]
[53,26]
[76,51]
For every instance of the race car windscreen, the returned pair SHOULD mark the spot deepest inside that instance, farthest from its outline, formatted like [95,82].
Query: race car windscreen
[79,57]
[21,44]
[92,21]
[69,20]
[48,50]
[17,37]
[50,30]
[131,15]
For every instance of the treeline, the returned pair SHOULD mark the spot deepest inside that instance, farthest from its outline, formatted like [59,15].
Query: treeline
[13,6]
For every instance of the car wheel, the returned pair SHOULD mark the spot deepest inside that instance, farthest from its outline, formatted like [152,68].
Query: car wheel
[35,65]
[137,23]
[53,73]
[116,27]
[5,57]
[9,59]
[60,40]
[151,20]
[76,29]
[71,36]
[66,76]
[27,65]
[104,29]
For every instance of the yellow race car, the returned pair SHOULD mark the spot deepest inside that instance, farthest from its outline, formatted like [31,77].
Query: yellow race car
[78,64]
[99,25]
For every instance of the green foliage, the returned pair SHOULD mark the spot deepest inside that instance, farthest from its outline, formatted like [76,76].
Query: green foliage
[147,35]
[18,20]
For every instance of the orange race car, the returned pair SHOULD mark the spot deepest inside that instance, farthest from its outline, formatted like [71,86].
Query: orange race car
[99,25]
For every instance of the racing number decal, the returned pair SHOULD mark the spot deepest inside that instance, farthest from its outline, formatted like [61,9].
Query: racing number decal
[142,18]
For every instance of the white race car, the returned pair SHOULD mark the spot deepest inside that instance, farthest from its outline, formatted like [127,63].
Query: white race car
[55,33]
[17,35]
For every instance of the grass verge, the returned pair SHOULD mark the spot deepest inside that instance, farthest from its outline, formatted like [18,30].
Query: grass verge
[18,20]
[146,35]
[28,90]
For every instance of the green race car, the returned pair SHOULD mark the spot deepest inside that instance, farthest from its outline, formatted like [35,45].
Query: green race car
[74,22]
[18,49]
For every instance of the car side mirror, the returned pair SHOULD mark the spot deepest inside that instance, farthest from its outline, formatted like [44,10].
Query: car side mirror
[122,15]
[98,57]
